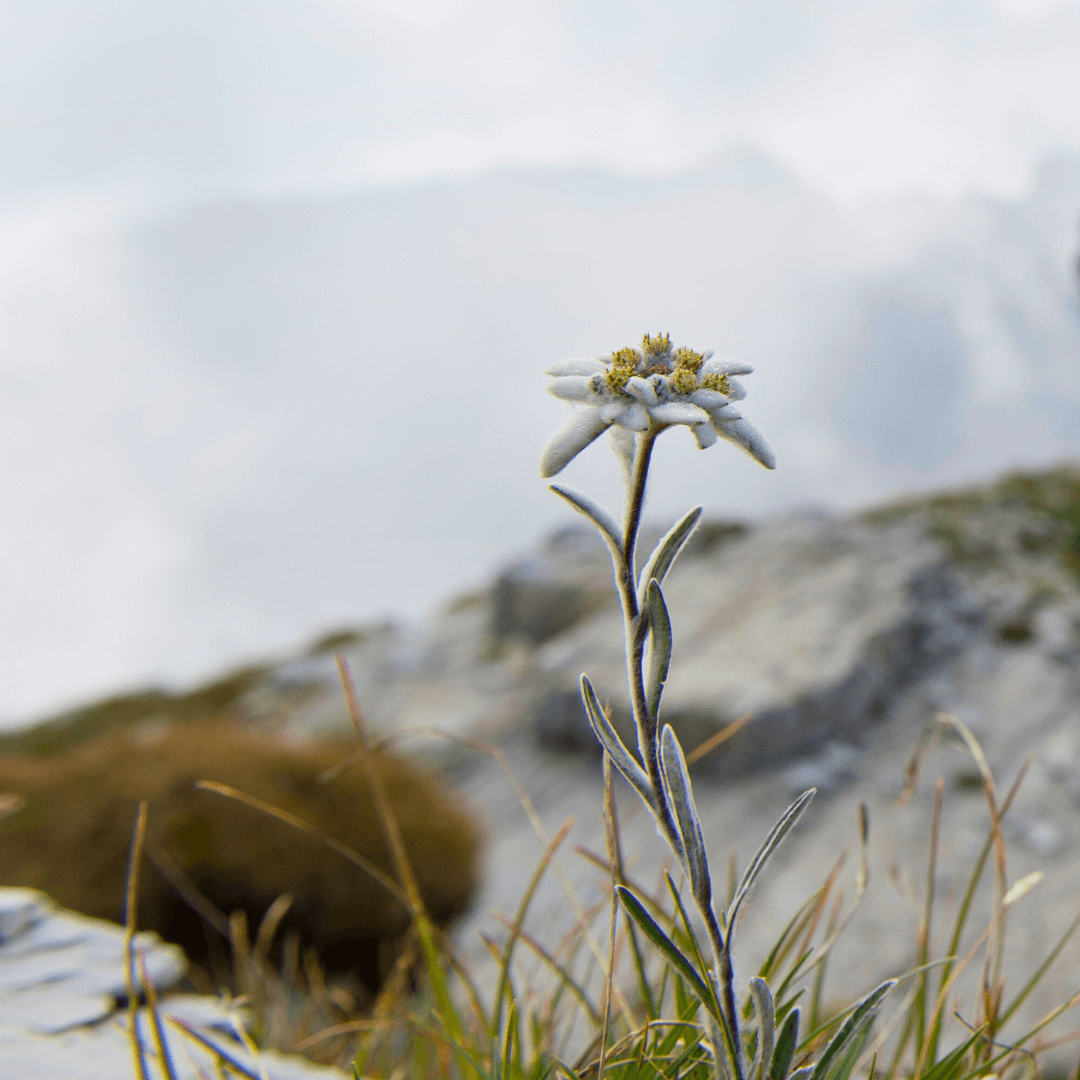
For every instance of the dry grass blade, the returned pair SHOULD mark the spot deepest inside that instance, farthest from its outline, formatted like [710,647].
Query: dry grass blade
[131,906]
[164,1057]
[506,954]
[219,1054]
[721,737]
[343,850]
[565,978]
[269,925]
[613,859]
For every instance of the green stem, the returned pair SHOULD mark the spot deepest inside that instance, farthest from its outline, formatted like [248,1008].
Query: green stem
[636,628]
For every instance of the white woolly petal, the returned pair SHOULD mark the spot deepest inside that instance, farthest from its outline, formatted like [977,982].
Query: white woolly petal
[705,435]
[708,399]
[643,390]
[747,437]
[577,388]
[661,387]
[726,367]
[636,417]
[614,410]
[587,366]
[623,446]
[565,445]
[738,391]
[725,414]
[679,412]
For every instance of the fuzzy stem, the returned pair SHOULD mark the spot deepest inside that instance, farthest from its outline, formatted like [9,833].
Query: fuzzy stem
[636,628]
[722,955]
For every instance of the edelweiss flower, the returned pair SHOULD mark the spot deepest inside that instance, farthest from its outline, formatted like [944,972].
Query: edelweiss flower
[651,388]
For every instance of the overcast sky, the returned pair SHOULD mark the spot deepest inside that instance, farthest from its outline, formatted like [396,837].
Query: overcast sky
[224,224]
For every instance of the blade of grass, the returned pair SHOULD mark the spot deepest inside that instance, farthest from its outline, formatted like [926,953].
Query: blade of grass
[965,904]
[424,928]
[131,906]
[1042,970]
[519,919]
[925,930]
[162,1046]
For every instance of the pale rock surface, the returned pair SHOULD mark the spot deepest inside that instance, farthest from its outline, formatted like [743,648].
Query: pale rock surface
[61,981]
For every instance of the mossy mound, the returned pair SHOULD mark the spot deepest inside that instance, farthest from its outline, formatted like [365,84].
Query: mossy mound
[71,835]
[1054,494]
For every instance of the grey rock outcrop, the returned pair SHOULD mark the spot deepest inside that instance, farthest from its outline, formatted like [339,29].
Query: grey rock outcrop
[61,986]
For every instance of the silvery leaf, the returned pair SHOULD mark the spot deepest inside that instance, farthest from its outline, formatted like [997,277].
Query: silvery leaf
[575,388]
[665,552]
[726,367]
[565,445]
[624,446]
[635,417]
[577,366]
[681,798]
[679,412]
[597,515]
[790,816]
[643,390]
[609,739]
[708,399]
[705,435]
[659,647]
[747,438]
[736,388]
[766,1015]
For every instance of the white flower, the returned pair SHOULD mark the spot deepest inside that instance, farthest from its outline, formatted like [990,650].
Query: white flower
[651,388]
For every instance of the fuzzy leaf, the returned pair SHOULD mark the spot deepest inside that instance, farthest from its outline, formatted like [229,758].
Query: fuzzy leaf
[681,798]
[863,1012]
[666,551]
[770,844]
[610,531]
[581,429]
[609,739]
[659,647]
[784,1052]
[766,1015]
[668,949]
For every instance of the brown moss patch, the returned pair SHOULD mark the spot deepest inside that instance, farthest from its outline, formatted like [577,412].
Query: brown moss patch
[70,837]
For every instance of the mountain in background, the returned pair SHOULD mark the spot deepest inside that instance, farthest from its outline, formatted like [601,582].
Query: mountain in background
[236,424]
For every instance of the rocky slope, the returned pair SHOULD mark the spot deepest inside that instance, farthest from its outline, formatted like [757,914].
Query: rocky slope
[843,637]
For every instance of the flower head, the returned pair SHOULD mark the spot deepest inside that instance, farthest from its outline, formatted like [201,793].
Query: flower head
[649,388]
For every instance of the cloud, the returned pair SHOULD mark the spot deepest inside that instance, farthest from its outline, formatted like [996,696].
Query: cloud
[156,104]
[228,427]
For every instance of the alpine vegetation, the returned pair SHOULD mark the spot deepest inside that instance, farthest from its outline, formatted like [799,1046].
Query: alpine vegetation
[637,394]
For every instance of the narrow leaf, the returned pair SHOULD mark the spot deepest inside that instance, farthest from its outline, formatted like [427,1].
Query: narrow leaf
[609,739]
[785,1047]
[766,1016]
[680,795]
[610,531]
[668,949]
[665,552]
[790,816]
[865,1010]
[659,647]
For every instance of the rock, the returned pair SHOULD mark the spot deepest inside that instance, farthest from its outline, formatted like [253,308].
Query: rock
[61,981]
